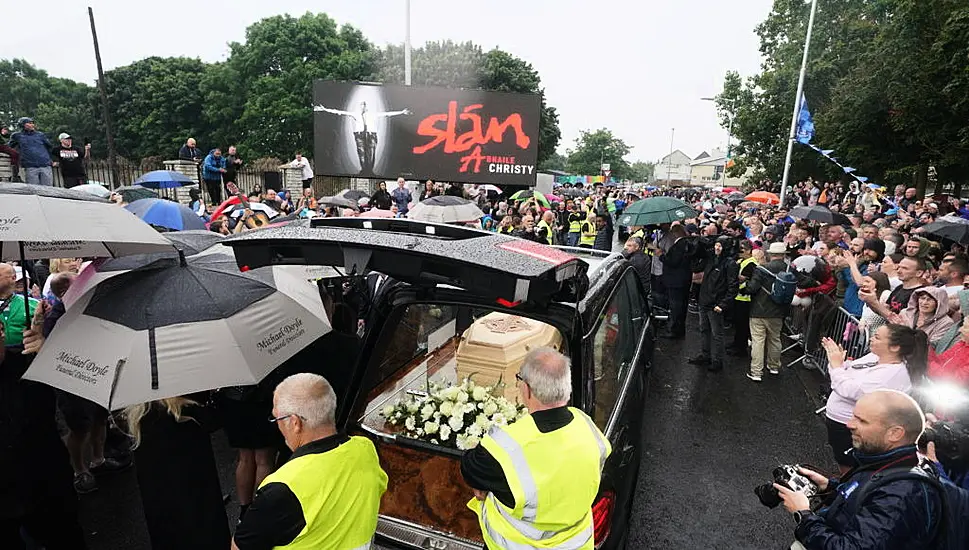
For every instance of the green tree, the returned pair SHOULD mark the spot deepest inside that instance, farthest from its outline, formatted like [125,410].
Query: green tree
[556,161]
[261,97]
[592,149]
[641,171]
[155,106]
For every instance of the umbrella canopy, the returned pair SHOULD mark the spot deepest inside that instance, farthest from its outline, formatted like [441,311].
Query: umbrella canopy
[491,188]
[131,194]
[226,328]
[764,197]
[445,209]
[656,210]
[729,189]
[819,214]
[61,223]
[341,202]
[735,197]
[166,213]
[553,198]
[238,209]
[751,204]
[526,194]
[163,179]
[571,192]
[376,213]
[93,189]
[948,228]
[353,194]
[193,241]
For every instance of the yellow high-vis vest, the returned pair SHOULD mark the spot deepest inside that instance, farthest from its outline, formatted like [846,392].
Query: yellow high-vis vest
[740,296]
[554,478]
[588,235]
[339,491]
[548,231]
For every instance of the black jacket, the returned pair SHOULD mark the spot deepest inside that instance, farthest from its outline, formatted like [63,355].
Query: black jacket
[381,199]
[677,272]
[898,515]
[720,282]
[761,304]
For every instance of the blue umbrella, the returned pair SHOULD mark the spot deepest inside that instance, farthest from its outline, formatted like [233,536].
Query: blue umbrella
[163,179]
[166,213]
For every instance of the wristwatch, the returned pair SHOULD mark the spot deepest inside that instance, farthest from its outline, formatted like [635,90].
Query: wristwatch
[800,515]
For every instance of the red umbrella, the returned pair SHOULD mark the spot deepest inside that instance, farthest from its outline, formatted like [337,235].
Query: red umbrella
[729,189]
[229,202]
[763,197]
[376,213]
[553,198]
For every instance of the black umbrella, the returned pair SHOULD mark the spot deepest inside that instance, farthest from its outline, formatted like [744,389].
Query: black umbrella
[736,197]
[130,193]
[193,241]
[341,202]
[820,214]
[947,229]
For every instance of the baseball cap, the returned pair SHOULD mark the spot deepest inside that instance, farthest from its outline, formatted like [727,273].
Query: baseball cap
[64,135]
[777,248]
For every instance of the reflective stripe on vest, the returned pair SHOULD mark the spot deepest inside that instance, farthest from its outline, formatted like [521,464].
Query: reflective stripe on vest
[548,231]
[518,528]
[740,296]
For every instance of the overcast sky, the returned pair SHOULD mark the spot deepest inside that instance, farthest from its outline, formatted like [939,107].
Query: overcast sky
[636,67]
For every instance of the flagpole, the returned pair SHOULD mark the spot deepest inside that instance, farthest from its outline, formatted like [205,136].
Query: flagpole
[797,102]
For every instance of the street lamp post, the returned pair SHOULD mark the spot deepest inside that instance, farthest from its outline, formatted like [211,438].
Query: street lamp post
[669,159]
[797,101]
[407,44]
[730,117]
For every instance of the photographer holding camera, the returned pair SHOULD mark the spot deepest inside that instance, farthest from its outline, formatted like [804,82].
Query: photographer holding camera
[894,514]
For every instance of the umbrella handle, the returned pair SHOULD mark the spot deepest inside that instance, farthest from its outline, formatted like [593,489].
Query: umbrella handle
[23,269]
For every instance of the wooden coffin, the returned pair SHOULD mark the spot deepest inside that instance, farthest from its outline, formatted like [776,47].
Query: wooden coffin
[492,349]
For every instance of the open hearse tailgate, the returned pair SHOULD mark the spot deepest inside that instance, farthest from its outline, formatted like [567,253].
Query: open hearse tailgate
[486,264]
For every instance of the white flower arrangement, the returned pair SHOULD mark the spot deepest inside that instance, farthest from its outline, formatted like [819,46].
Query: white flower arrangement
[453,416]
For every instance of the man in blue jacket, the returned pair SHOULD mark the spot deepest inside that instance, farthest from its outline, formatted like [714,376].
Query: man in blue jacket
[34,149]
[212,169]
[897,515]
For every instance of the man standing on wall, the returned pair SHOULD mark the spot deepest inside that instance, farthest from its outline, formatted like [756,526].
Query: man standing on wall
[34,149]
[70,159]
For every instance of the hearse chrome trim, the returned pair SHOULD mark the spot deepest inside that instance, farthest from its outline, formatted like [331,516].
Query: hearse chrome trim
[411,535]
[630,376]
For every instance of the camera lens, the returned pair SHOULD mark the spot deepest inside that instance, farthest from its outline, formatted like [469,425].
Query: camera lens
[768,495]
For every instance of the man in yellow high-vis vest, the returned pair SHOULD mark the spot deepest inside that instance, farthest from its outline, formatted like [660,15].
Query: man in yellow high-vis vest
[741,312]
[576,215]
[535,481]
[328,494]
[544,230]
[589,230]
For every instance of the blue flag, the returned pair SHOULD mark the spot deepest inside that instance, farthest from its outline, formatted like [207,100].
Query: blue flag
[848,169]
[805,123]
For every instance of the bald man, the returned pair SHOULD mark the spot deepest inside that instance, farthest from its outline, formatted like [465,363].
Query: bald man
[898,514]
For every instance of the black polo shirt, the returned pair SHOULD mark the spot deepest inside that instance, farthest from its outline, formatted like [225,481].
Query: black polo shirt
[275,517]
[483,472]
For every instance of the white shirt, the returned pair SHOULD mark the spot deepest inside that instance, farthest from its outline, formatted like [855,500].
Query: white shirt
[304,164]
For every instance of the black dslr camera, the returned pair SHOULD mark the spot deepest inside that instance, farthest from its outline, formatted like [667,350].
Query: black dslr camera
[951,442]
[788,476]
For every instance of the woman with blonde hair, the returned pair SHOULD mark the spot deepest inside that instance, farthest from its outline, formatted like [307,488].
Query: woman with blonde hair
[177,475]
[59,265]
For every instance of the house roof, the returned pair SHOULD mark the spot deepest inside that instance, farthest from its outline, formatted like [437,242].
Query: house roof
[673,154]
[710,161]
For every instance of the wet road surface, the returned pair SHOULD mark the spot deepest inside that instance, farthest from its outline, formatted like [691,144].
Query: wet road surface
[709,439]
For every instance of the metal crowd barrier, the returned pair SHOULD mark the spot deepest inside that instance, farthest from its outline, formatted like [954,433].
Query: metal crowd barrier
[806,326]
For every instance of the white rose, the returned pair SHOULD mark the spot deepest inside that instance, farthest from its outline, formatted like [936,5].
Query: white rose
[388,411]
[490,408]
[446,408]
[475,430]
[412,406]
[445,432]
[427,411]
[462,397]
[479,394]
[499,419]
[473,441]
[450,393]
[481,419]
[456,423]
[410,424]
[461,441]
[430,427]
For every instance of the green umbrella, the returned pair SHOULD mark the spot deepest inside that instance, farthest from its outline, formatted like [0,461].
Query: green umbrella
[656,210]
[526,194]
[132,193]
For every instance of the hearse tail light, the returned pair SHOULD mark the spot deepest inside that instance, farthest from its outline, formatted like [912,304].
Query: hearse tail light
[505,303]
[602,517]
[244,268]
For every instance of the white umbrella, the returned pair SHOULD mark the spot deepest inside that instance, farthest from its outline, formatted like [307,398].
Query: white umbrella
[150,334]
[236,210]
[94,189]
[445,209]
[60,223]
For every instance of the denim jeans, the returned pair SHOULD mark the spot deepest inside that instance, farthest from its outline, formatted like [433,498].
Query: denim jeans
[572,239]
[39,176]
[711,334]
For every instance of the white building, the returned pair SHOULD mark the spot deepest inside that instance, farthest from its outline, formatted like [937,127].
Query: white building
[707,169]
[674,168]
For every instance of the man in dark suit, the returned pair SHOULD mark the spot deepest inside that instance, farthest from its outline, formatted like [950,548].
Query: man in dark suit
[677,277]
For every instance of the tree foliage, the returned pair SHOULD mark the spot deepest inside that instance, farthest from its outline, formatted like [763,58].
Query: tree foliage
[592,149]
[641,171]
[886,81]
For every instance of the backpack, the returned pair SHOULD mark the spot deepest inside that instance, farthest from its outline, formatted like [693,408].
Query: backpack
[783,286]
[951,532]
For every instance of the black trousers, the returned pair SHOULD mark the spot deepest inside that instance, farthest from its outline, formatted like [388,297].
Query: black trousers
[53,525]
[741,324]
[214,188]
[679,299]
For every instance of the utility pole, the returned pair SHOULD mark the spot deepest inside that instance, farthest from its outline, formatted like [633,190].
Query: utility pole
[669,159]
[407,66]
[112,157]
[797,101]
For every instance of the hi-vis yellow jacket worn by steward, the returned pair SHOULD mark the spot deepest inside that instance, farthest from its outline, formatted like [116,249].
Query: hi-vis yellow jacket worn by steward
[741,296]
[339,491]
[554,478]
[548,231]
